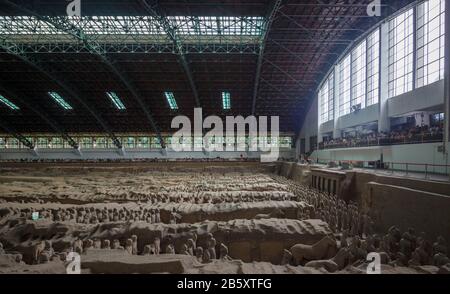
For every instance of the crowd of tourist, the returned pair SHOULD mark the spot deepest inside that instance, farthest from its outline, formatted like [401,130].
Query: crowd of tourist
[413,135]
[133,160]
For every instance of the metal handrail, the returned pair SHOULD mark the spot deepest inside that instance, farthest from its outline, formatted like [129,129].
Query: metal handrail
[428,168]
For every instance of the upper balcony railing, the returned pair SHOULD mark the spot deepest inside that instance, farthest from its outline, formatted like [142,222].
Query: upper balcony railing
[387,141]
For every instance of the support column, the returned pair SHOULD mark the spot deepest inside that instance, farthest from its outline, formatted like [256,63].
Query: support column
[298,152]
[34,152]
[78,151]
[319,126]
[447,83]
[336,132]
[384,124]
[121,151]
[447,79]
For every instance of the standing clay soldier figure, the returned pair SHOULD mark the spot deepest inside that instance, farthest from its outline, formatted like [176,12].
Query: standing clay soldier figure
[440,259]
[439,246]
[169,248]
[19,258]
[191,246]
[287,257]
[106,244]
[354,225]
[199,254]
[135,249]
[184,250]
[78,246]
[415,259]
[224,252]
[195,238]
[405,245]
[344,243]
[384,244]
[157,216]
[426,249]
[332,220]
[47,254]
[104,217]
[346,220]
[97,244]
[129,246]
[300,214]
[57,216]
[339,217]
[394,236]
[89,244]
[2,251]
[152,216]
[355,251]
[212,248]
[400,260]
[206,257]
[371,244]
[149,249]
[174,216]
[116,245]
[413,237]
[93,220]
[209,236]
[157,245]
[37,251]
[366,230]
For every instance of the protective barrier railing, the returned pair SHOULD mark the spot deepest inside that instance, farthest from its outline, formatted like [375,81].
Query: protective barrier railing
[408,168]
[373,142]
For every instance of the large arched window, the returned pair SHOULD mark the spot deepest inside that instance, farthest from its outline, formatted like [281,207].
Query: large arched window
[326,98]
[430,42]
[401,53]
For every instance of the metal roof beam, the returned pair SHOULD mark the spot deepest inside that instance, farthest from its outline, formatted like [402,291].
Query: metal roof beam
[15,50]
[283,93]
[171,33]
[273,11]
[37,110]
[16,135]
[62,23]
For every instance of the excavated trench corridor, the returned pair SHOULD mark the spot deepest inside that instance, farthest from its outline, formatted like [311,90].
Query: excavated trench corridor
[185,219]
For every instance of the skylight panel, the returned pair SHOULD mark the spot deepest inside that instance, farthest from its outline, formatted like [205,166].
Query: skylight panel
[8,103]
[226,100]
[171,100]
[58,99]
[116,100]
[208,25]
